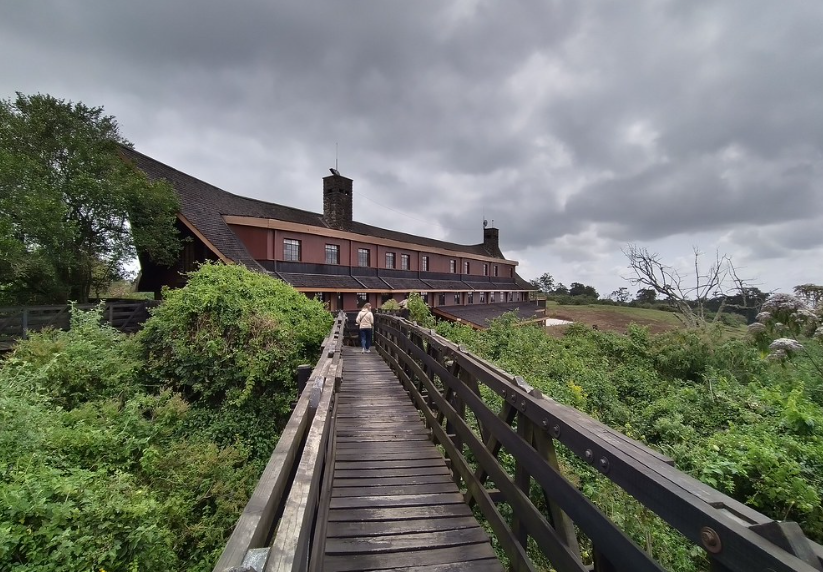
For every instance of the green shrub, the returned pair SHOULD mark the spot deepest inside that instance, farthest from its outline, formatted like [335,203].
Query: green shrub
[751,428]
[419,311]
[96,473]
[111,484]
[232,334]
[89,361]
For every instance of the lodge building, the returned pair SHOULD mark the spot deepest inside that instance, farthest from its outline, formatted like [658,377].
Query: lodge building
[330,255]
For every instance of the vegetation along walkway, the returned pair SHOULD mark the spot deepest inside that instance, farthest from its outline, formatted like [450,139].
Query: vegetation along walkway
[393,502]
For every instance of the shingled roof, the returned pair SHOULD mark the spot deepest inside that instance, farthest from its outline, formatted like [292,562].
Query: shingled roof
[205,205]
[481,314]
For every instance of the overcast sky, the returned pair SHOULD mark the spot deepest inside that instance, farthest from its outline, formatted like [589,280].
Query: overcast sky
[577,127]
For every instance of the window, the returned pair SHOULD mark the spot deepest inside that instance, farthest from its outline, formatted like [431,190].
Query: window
[425,264]
[482,297]
[485,270]
[385,297]
[465,267]
[491,298]
[470,298]
[495,269]
[404,262]
[390,260]
[453,266]
[363,257]
[362,298]
[457,299]
[425,297]
[511,272]
[441,301]
[291,250]
[332,254]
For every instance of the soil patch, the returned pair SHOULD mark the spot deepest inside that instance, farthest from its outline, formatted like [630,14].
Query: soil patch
[608,319]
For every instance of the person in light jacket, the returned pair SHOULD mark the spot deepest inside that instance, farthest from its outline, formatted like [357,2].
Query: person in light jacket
[365,319]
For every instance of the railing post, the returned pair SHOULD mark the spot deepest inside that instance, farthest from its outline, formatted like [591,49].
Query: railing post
[303,373]
[25,323]
[522,478]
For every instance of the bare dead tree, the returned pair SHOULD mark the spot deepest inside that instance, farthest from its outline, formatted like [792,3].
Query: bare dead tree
[688,294]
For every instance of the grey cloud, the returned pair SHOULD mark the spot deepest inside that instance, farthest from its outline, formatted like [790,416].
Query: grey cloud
[664,118]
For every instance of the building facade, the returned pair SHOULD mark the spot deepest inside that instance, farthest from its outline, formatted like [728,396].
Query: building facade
[330,255]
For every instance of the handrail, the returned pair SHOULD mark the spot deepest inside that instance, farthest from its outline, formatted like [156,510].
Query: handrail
[274,532]
[444,380]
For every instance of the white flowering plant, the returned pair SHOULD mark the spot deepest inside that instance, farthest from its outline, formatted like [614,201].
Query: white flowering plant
[782,320]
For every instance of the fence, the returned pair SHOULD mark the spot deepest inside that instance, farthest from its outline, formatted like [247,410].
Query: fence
[17,322]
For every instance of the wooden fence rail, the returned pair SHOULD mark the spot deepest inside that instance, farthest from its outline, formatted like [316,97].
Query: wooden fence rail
[276,529]
[453,389]
[17,321]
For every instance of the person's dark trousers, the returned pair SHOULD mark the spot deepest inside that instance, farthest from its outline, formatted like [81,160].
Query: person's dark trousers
[365,338]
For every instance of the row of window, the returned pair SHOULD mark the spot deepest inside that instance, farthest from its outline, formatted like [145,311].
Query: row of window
[363,297]
[292,252]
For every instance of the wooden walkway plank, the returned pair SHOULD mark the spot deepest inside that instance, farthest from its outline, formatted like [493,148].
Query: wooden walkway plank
[394,505]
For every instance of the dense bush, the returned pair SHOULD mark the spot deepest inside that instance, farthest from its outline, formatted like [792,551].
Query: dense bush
[108,464]
[95,473]
[749,427]
[230,342]
[232,334]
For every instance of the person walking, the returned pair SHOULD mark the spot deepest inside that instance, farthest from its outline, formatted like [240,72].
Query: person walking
[365,319]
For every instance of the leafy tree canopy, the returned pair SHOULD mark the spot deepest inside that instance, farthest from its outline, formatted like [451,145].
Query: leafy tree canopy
[646,295]
[73,212]
[620,295]
[812,294]
[578,289]
[544,283]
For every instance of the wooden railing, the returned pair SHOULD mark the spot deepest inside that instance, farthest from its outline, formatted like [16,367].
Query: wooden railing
[16,322]
[277,527]
[448,385]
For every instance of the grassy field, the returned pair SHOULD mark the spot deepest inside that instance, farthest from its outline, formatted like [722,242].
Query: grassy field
[613,318]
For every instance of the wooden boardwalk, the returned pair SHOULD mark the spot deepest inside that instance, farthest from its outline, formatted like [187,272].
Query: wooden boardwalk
[394,505]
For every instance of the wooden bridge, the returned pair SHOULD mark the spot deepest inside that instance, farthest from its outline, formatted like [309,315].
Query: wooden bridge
[420,456]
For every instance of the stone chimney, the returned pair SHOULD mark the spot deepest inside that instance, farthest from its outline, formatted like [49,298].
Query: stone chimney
[337,201]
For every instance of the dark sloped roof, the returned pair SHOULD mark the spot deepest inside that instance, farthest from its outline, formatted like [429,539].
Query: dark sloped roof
[405,283]
[523,284]
[204,205]
[372,283]
[480,314]
[378,232]
[479,285]
[446,285]
[342,282]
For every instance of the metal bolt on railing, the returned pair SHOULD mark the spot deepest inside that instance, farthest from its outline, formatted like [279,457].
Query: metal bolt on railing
[711,540]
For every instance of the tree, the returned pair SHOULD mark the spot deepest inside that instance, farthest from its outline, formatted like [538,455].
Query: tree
[560,289]
[646,296]
[812,294]
[545,283]
[578,289]
[620,295]
[718,281]
[73,212]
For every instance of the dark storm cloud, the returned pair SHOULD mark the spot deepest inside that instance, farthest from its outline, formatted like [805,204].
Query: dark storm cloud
[574,126]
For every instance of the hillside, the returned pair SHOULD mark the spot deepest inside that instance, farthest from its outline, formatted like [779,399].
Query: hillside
[611,318]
